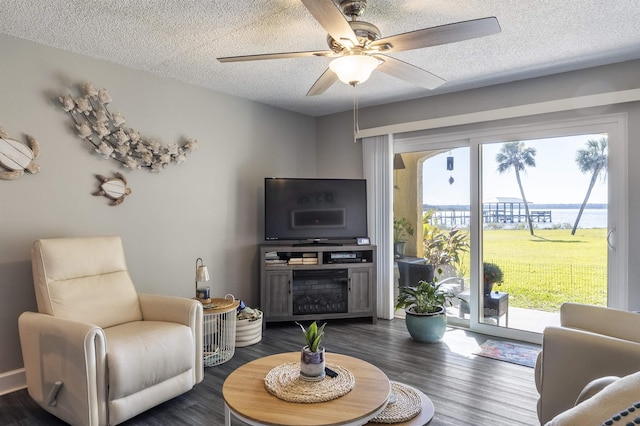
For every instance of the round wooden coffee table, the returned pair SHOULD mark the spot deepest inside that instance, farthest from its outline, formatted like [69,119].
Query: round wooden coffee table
[246,397]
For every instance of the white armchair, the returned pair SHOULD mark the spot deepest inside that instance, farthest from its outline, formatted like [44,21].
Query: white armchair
[97,352]
[591,343]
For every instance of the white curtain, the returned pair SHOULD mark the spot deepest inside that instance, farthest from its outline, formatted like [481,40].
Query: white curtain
[377,155]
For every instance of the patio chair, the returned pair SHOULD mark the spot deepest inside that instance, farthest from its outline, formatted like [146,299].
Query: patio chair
[414,271]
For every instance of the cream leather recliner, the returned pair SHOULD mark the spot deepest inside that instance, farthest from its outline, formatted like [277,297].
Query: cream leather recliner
[98,353]
[591,343]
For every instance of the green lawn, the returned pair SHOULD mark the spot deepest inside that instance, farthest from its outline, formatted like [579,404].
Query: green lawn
[543,271]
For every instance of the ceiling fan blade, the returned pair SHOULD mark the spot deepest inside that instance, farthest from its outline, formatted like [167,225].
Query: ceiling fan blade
[442,34]
[276,56]
[323,83]
[327,13]
[409,73]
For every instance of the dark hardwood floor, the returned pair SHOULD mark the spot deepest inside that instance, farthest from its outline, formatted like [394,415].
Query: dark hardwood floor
[465,389]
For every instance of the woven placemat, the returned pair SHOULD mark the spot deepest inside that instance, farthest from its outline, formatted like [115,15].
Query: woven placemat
[406,405]
[285,383]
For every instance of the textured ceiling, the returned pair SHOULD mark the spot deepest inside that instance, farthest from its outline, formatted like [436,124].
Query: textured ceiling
[181,39]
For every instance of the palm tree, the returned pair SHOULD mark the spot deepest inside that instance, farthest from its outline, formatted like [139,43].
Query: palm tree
[519,156]
[592,159]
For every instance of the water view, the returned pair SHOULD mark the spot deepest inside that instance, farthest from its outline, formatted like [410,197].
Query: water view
[543,216]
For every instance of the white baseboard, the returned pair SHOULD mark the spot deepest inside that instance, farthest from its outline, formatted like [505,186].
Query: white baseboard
[12,381]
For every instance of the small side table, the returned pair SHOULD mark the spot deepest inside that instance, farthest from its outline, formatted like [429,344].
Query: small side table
[219,331]
[496,304]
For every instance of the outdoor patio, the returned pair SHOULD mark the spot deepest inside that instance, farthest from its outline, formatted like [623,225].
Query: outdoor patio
[519,318]
[532,320]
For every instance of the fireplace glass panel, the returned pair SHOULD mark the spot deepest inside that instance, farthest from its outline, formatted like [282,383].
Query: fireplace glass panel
[320,291]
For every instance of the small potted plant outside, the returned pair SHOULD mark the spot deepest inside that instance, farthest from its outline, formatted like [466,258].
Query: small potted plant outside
[402,230]
[492,275]
[312,361]
[425,308]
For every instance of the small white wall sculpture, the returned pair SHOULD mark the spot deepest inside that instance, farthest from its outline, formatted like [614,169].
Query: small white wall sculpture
[114,188]
[16,157]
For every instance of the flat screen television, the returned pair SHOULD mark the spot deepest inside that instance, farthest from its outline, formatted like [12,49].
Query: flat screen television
[315,209]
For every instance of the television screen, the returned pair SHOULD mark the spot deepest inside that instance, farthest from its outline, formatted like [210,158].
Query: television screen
[315,209]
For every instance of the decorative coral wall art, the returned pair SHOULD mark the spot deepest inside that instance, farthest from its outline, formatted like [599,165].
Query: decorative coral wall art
[115,188]
[16,157]
[105,130]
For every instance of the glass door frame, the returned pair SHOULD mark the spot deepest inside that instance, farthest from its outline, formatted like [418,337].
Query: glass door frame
[614,125]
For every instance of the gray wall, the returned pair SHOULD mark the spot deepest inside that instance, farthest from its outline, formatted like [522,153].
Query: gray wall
[335,141]
[209,207]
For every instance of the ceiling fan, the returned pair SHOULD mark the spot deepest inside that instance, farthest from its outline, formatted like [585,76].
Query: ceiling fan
[358,49]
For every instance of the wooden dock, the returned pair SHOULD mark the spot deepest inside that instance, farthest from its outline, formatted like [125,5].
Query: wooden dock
[454,217]
[497,216]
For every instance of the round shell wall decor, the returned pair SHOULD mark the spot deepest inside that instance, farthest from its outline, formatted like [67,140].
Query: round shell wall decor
[114,188]
[105,130]
[16,157]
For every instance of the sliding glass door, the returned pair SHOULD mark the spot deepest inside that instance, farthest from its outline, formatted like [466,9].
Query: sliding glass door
[537,216]
[544,228]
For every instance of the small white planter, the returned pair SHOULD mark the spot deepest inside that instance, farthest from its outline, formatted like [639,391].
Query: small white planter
[249,332]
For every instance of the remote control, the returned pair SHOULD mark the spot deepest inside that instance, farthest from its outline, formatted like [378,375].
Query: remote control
[330,372]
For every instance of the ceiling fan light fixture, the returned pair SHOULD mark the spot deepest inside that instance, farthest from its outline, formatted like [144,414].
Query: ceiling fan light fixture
[355,68]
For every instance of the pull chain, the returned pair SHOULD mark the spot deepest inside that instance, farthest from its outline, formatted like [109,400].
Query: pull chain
[356,128]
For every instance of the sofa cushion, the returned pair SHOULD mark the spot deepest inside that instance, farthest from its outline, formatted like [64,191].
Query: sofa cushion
[142,354]
[630,415]
[604,406]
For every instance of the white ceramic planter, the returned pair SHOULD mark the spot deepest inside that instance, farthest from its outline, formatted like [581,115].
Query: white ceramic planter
[427,328]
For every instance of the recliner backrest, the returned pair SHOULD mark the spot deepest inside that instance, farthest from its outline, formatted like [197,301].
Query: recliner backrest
[84,279]
[601,320]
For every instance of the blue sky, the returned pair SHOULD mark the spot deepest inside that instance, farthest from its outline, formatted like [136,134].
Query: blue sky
[555,179]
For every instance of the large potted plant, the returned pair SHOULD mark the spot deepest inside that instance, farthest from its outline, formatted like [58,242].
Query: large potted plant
[312,361]
[402,230]
[442,247]
[425,308]
[492,274]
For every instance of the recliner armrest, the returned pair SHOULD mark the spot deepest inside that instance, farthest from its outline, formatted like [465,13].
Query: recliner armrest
[168,308]
[598,319]
[72,352]
[594,387]
[178,310]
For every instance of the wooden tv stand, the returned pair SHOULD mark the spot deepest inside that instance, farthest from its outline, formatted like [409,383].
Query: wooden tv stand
[317,282]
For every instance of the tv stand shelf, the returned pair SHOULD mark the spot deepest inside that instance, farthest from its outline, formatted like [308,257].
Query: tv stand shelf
[317,282]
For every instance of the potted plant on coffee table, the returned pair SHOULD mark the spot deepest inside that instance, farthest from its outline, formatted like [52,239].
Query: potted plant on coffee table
[425,308]
[312,361]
